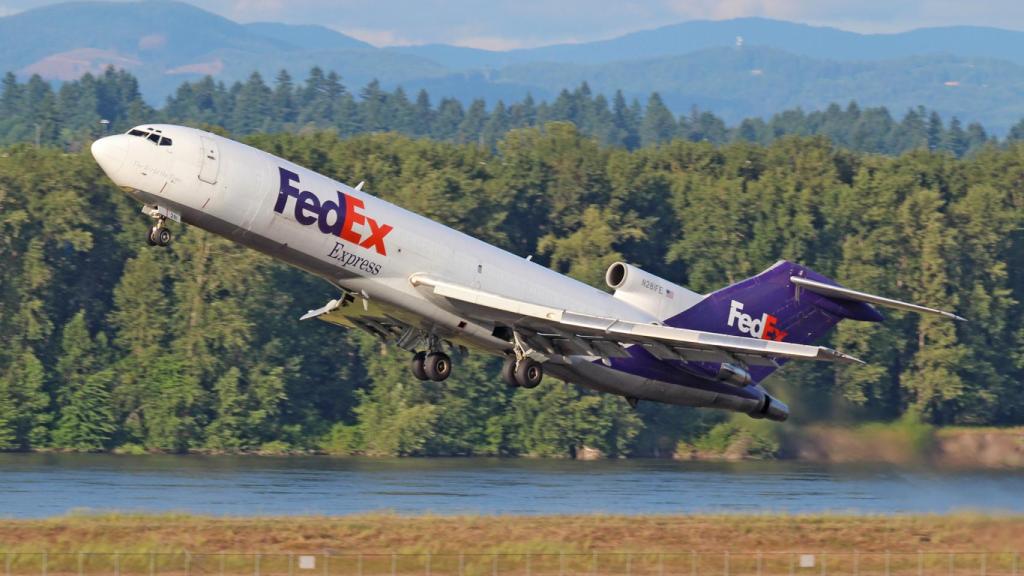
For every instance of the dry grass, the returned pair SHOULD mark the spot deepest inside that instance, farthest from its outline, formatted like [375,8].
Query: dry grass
[513,534]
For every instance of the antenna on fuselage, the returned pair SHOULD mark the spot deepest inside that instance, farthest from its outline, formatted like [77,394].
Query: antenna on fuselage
[359,187]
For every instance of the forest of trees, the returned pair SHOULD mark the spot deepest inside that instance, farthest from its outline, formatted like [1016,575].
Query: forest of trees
[113,344]
[71,115]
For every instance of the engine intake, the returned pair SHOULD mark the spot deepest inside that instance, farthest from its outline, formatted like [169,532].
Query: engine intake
[645,291]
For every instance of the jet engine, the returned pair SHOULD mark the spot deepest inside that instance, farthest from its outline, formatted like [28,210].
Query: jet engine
[734,375]
[645,291]
[772,409]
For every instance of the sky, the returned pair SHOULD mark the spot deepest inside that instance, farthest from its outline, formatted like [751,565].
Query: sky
[507,24]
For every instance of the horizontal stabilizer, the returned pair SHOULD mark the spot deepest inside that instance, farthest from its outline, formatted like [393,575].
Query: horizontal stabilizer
[838,292]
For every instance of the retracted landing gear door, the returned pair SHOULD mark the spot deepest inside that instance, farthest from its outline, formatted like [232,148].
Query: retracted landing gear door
[210,160]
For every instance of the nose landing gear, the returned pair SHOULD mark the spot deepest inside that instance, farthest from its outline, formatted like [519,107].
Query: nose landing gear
[158,235]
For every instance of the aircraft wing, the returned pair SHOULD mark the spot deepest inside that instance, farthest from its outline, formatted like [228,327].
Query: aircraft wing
[556,330]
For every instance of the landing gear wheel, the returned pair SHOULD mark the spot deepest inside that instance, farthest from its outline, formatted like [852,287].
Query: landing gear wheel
[437,366]
[508,372]
[529,373]
[159,236]
[416,366]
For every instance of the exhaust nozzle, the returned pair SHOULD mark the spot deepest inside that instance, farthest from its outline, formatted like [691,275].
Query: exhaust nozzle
[772,409]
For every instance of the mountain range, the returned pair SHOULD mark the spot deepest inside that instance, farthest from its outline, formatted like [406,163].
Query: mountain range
[736,68]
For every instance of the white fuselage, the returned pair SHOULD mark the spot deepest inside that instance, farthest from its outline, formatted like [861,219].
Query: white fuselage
[294,214]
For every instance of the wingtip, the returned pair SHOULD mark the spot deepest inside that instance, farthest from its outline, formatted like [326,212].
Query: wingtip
[843,358]
[951,316]
[847,359]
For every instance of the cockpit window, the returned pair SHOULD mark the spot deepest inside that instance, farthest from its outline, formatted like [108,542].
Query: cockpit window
[153,135]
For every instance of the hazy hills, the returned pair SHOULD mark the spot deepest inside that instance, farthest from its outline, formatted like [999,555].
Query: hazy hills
[738,83]
[974,73]
[165,43]
[800,39]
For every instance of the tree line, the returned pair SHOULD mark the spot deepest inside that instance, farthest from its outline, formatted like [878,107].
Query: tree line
[74,114]
[112,344]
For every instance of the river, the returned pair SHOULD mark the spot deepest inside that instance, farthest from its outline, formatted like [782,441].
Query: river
[41,485]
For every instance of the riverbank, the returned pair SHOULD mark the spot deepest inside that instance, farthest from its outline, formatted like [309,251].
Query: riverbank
[975,448]
[418,534]
[900,443]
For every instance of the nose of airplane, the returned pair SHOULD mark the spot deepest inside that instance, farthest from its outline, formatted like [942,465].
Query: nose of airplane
[110,153]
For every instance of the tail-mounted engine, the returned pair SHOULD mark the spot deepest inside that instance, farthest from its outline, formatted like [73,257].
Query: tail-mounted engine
[645,291]
[772,409]
[735,375]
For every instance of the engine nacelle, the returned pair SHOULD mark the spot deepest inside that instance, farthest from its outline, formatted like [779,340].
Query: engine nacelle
[772,409]
[645,291]
[734,375]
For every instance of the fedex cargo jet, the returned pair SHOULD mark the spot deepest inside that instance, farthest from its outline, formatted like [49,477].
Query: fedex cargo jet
[397,279]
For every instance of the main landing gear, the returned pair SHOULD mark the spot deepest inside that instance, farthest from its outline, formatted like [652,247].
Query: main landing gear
[520,369]
[436,366]
[525,373]
[433,364]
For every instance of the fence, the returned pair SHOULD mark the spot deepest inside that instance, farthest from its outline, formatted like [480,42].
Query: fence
[526,564]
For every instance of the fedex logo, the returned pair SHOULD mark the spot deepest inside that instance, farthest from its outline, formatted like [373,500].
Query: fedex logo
[344,218]
[764,327]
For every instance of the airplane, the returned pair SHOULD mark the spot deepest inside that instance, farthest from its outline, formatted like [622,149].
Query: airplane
[436,292]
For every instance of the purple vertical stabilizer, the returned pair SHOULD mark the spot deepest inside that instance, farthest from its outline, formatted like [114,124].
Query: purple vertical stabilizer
[769,306]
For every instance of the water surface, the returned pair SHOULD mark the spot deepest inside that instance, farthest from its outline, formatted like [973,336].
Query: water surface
[39,485]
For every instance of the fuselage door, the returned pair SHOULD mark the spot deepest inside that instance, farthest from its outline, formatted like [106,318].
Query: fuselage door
[210,160]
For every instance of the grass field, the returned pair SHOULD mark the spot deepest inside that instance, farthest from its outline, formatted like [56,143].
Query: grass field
[513,534]
[584,545]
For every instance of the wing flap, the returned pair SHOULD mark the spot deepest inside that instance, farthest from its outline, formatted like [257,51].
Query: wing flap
[609,349]
[488,300]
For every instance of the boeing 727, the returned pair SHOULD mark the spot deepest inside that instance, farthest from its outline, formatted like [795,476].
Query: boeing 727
[397,279]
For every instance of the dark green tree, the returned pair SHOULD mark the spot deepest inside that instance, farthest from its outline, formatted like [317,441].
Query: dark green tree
[659,125]
[86,414]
